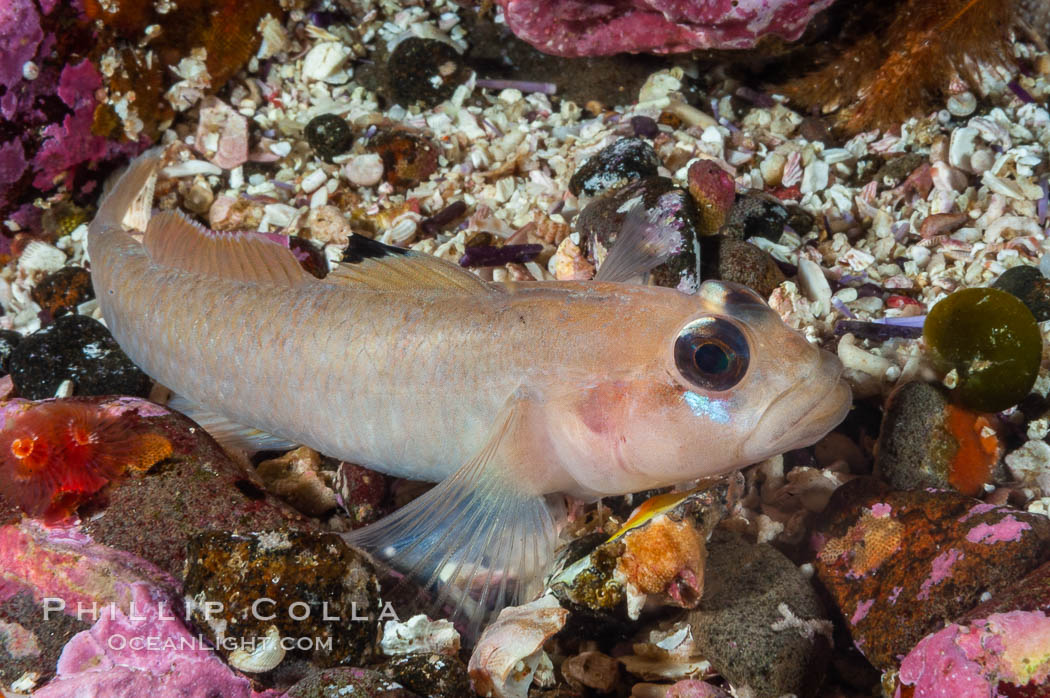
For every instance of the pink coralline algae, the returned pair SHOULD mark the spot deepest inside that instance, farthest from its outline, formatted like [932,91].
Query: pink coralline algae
[147,651]
[941,570]
[977,659]
[582,28]
[1009,529]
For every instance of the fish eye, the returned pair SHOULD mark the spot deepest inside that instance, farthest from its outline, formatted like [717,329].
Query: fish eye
[712,353]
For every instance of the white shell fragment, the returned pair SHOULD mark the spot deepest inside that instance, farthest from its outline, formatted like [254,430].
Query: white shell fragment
[364,170]
[324,62]
[962,104]
[510,651]
[265,656]
[815,286]
[419,634]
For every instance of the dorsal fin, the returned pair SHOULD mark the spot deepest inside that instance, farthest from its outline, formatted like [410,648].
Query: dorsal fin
[381,267]
[173,240]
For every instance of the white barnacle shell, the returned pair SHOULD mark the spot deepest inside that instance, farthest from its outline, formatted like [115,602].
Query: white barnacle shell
[263,657]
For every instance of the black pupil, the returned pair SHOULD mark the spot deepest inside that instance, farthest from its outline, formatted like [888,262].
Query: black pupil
[711,358]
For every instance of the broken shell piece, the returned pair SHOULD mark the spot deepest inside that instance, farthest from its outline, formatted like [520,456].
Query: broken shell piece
[222,134]
[324,62]
[510,651]
[296,478]
[962,104]
[667,656]
[419,634]
[264,656]
[815,285]
[570,264]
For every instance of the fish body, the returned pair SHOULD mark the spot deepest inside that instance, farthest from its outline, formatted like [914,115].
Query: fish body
[504,392]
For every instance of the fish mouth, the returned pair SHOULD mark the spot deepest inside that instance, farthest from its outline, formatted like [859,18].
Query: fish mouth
[803,414]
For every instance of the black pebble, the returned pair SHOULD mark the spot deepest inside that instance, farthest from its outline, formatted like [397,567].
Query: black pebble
[9,339]
[756,214]
[1028,284]
[426,71]
[329,135]
[77,348]
[626,160]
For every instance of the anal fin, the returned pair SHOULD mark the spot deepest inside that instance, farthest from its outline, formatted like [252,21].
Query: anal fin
[231,435]
[478,539]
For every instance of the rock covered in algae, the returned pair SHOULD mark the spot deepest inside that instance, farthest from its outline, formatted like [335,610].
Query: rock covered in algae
[991,340]
[899,565]
[927,442]
[243,590]
[601,221]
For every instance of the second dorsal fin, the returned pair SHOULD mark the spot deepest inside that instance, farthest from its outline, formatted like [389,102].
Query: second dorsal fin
[377,266]
[175,241]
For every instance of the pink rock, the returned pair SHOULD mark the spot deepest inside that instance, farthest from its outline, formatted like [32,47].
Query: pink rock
[977,658]
[582,28]
[146,651]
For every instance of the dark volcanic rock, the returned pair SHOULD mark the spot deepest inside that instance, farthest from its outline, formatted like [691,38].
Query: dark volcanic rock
[329,135]
[304,585]
[900,565]
[77,348]
[1028,284]
[925,442]
[626,160]
[756,214]
[29,643]
[424,71]
[759,620]
[9,339]
[730,259]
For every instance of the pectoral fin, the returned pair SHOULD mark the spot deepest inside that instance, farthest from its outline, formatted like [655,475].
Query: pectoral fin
[645,241]
[479,538]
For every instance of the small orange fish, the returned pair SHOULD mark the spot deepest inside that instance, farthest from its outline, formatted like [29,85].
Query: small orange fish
[54,455]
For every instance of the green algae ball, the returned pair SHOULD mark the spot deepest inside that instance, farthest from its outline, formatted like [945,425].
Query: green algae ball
[992,341]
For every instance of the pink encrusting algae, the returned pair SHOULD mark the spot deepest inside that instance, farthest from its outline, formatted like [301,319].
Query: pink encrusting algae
[1009,529]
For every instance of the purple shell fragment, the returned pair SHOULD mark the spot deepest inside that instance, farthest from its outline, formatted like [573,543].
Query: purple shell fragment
[490,256]
[876,331]
[446,215]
